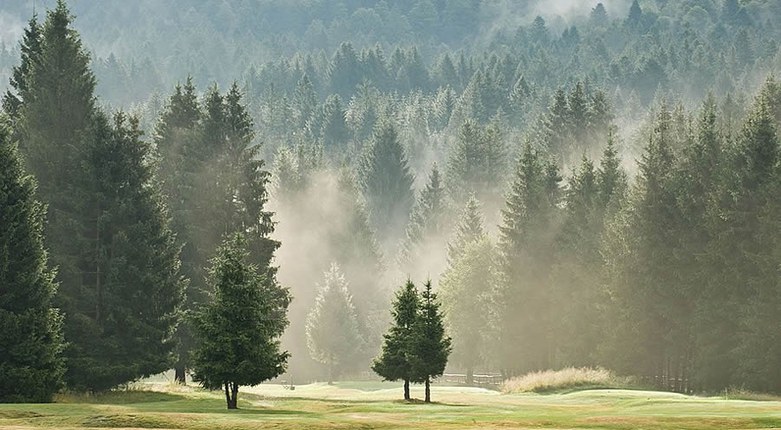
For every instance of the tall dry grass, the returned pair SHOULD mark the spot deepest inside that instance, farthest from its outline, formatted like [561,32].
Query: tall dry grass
[554,380]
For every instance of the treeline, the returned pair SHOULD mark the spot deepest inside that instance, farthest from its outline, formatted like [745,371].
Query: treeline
[130,227]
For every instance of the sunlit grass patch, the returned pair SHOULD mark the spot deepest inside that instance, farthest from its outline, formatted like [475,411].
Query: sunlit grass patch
[564,379]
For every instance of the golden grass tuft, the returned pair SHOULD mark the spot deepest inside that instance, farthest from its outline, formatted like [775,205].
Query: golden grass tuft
[564,379]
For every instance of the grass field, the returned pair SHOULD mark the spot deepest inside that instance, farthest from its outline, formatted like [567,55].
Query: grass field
[376,405]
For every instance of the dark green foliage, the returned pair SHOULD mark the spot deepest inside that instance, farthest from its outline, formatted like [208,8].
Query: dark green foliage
[530,218]
[395,362]
[121,316]
[238,330]
[387,182]
[430,346]
[216,184]
[31,342]
[108,232]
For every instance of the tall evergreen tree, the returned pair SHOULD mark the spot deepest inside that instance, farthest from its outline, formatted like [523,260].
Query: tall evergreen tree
[178,143]
[387,182]
[466,292]
[530,220]
[31,342]
[121,316]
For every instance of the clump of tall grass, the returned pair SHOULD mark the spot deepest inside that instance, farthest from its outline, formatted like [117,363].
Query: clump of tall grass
[564,379]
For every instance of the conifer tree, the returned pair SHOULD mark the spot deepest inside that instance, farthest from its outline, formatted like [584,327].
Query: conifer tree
[332,332]
[466,293]
[430,347]
[653,303]
[470,229]
[178,143]
[394,362]
[30,48]
[57,107]
[31,363]
[428,216]
[387,182]
[238,331]
[527,248]
[122,315]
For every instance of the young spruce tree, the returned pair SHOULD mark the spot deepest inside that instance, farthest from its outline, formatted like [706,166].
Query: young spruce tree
[238,331]
[394,362]
[430,346]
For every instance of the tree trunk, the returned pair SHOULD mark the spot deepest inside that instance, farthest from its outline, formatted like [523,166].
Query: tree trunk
[428,390]
[331,372]
[470,376]
[227,396]
[179,374]
[234,396]
[406,389]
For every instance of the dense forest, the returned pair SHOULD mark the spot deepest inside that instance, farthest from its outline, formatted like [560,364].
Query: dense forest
[583,183]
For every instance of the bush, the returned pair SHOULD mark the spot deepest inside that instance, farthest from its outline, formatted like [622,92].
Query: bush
[557,380]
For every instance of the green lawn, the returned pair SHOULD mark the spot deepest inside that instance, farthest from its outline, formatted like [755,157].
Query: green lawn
[376,405]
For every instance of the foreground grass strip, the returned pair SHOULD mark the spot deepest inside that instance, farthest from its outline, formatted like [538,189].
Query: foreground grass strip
[347,406]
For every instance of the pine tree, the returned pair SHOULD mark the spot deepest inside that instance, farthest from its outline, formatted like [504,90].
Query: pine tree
[427,219]
[387,182]
[122,315]
[477,163]
[655,306]
[335,134]
[469,230]
[332,332]
[57,107]
[30,48]
[394,362]
[238,331]
[466,293]
[430,346]
[529,220]
[178,143]
[635,15]
[31,363]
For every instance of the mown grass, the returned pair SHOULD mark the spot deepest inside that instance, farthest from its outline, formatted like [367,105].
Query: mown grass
[320,406]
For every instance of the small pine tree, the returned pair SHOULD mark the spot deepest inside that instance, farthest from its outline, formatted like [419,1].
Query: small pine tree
[394,362]
[332,332]
[31,365]
[238,332]
[430,346]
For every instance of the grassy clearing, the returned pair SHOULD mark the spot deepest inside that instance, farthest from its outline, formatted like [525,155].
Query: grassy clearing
[569,379]
[319,406]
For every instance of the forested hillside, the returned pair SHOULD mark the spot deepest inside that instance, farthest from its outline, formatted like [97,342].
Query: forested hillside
[585,183]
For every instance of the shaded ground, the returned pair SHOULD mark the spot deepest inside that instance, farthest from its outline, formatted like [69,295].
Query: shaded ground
[376,405]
